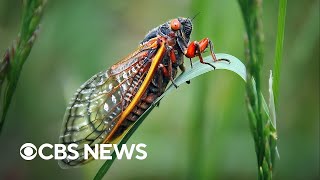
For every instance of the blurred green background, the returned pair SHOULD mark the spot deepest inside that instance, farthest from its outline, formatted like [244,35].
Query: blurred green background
[80,38]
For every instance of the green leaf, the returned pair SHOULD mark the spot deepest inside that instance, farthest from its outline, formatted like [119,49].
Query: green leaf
[273,121]
[272,107]
[198,69]
[279,48]
[11,65]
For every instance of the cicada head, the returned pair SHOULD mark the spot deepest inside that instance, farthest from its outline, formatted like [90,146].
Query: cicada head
[185,28]
[179,29]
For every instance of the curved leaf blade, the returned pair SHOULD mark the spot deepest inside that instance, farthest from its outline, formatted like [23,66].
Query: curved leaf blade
[198,69]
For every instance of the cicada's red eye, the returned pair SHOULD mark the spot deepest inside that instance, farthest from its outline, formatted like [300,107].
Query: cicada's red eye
[175,24]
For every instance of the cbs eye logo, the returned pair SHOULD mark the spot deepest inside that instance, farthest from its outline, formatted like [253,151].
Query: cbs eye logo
[28,151]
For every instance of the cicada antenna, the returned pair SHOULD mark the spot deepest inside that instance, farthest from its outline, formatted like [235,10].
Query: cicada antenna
[195,16]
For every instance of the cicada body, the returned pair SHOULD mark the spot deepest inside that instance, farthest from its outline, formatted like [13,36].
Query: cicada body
[111,101]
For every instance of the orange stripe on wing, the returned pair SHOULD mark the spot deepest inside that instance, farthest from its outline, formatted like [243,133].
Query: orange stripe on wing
[141,91]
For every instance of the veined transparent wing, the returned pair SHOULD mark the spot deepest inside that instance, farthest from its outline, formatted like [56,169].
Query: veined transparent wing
[96,107]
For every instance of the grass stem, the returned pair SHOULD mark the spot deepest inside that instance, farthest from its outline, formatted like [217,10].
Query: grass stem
[14,58]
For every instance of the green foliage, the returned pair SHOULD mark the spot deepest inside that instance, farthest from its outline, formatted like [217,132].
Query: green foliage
[279,48]
[197,120]
[14,58]
[262,118]
[198,69]
[252,11]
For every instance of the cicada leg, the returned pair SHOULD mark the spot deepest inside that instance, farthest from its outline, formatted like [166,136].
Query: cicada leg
[183,69]
[197,48]
[167,72]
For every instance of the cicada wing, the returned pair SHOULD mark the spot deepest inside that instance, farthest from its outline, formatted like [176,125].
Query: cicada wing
[96,106]
[92,111]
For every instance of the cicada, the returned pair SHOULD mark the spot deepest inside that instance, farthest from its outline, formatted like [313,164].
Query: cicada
[107,105]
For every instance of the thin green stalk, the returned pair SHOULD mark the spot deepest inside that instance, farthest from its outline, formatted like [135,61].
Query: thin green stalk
[262,117]
[262,129]
[279,49]
[197,112]
[12,63]
[196,131]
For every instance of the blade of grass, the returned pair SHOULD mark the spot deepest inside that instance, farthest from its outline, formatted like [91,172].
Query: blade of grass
[279,49]
[196,120]
[252,15]
[273,121]
[12,64]
[198,69]
[262,119]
